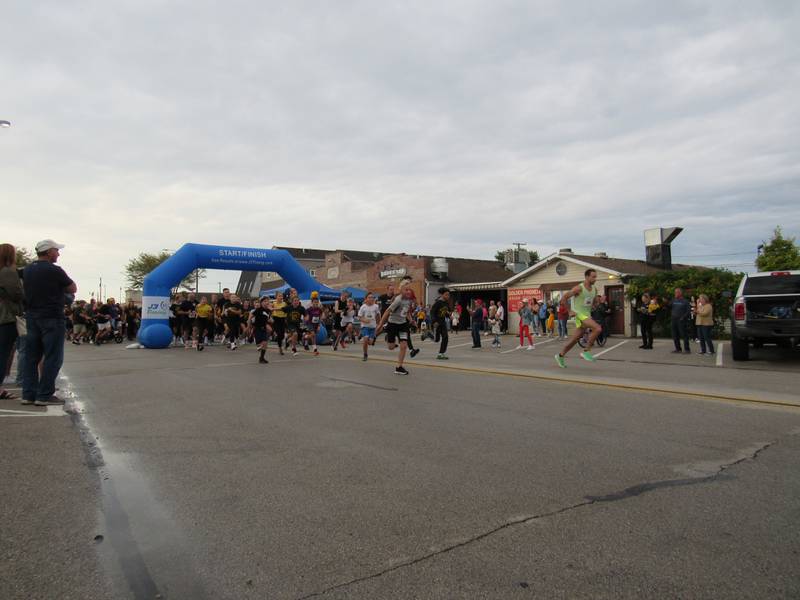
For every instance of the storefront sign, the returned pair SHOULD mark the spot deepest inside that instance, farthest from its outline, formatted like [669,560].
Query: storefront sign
[515,296]
[392,273]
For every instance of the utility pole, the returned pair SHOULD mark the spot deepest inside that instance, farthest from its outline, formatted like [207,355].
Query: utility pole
[100,290]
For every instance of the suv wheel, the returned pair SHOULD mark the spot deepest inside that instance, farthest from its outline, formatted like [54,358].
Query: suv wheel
[740,349]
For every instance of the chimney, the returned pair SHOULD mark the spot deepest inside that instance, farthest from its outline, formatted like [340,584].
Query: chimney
[657,241]
[565,250]
[601,255]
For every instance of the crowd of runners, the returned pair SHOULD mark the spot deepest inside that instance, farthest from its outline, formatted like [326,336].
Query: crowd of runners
[288,323]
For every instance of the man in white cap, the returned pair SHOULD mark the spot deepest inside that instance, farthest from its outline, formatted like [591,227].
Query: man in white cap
[45,285]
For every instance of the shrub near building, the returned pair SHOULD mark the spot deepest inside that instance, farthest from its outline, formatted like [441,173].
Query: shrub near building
[718,284]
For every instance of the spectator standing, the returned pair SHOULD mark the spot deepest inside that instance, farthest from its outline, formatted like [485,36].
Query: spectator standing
[455,316]
[600,313]
[705,323]
[440,311]
[543,317]
[525,322]
[501,315]
[476,323]
[681,312]
[563,317]
[11,295]
[79,322]
[45,285]
[132,320]
[646,317]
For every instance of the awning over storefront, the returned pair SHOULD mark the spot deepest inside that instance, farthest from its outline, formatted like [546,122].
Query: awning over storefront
[472,287]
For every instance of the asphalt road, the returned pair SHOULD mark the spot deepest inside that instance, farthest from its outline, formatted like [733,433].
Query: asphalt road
[493,475]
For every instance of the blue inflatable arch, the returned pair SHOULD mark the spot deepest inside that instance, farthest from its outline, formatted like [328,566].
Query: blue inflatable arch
[158,284]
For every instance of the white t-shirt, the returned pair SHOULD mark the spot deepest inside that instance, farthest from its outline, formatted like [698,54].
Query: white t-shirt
[348,316]
[370,313]
[500,313]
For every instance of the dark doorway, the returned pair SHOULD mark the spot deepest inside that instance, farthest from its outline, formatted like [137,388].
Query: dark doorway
[616,302]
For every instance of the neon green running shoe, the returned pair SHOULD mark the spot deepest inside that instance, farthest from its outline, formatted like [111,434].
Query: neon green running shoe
[560,361]
[588,356]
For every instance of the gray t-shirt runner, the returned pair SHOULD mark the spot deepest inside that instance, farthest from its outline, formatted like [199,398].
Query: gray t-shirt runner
[399,310]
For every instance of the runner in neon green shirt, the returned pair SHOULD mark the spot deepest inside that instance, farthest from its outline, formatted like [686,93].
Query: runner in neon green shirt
[584,297]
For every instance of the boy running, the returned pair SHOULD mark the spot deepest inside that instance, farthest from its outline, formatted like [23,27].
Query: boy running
[368,315]
[233,312]
[405,283]
[313,320]
[398,325]
[339,308]
[295,313]
[261,328]
[583,297]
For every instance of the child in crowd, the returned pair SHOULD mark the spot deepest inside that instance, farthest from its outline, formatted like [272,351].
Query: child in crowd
[551,322]
[494,325]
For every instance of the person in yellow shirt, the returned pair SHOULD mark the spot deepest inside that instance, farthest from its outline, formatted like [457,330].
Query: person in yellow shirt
[279,319]
[204,322]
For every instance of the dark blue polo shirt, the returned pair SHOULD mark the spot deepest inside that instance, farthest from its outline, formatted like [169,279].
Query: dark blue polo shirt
[44,285]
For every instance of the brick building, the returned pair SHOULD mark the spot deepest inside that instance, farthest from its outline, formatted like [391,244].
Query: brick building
[374,271]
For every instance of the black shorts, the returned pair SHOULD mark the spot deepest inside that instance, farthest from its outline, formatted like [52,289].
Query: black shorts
[397,331]
[261,335]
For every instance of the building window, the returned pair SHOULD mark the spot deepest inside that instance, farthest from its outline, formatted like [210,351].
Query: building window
[312,272]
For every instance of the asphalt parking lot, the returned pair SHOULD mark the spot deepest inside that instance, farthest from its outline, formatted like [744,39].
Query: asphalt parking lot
[179,474]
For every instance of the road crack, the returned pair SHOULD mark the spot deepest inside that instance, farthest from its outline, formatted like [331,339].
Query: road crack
[629,492]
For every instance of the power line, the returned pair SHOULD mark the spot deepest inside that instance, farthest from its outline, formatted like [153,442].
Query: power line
[711,255]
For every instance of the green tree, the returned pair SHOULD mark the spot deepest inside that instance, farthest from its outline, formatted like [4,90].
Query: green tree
[718,284]
[138,267]
[24,257]
[533,256]
[779,254]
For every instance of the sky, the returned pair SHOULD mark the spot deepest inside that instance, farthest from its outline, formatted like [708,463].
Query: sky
[445,128]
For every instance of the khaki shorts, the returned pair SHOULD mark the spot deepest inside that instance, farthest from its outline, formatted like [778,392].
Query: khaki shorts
[78,328]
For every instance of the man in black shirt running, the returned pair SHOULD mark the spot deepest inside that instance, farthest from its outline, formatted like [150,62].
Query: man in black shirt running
[261,328]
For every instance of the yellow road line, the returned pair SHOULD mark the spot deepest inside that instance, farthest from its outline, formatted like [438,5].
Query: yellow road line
[590,383]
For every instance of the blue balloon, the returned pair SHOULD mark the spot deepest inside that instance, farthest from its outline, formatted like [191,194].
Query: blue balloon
[156,335]
[158,284]
[322,335]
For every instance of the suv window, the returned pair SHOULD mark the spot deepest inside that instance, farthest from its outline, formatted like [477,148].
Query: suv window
[772,284]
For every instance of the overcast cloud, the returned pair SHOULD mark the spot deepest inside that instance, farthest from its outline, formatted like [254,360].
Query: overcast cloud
[447,128]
